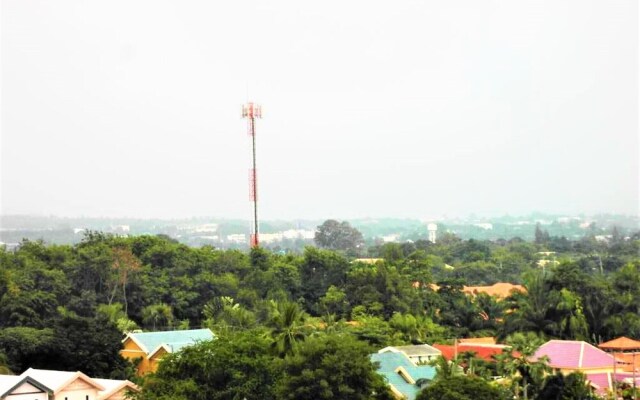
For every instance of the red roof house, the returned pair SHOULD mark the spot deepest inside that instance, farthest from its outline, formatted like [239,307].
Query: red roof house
[482,351]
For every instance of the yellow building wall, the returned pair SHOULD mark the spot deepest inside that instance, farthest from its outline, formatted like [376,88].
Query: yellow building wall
[132,351]
[567,371]
[157,357]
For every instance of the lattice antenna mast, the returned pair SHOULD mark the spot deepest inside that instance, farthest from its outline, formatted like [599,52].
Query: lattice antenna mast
[252,111]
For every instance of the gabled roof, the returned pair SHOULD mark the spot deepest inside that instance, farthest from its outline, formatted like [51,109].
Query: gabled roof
[574,355]
[621,343]
[419,350]
[401,373]
[58,380]
[150,342]
[9,383]
[112,386]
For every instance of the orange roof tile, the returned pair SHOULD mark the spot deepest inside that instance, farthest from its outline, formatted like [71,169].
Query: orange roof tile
[621,343]
[500,289]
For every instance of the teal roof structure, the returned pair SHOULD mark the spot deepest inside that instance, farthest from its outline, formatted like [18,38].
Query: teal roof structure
[172,340]
[388,364]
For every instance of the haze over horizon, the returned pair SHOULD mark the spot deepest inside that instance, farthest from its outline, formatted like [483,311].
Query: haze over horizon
[411,110]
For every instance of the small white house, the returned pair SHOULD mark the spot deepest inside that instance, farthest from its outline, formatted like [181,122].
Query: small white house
[41,384]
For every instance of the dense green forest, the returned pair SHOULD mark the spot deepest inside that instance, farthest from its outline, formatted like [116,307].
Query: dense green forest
[67,306]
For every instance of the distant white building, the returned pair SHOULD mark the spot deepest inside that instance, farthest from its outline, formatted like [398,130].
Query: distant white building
[271,237]
[237,238]
[394,237]
[205,228]
[433,229]
[122,228]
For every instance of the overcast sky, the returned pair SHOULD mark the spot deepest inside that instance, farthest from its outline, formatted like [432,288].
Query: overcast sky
[371,108]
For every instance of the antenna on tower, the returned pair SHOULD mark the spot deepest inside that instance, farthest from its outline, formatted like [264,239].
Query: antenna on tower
[252,111]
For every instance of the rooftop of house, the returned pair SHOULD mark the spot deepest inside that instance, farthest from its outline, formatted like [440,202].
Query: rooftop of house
[112,386]
[419,350]
[500,290]
[150,342]
[9,383]
[479,340]
[485,352]
[401,373]
[57,380]
[604,381]
[621,344]
[572,354]
[54,381]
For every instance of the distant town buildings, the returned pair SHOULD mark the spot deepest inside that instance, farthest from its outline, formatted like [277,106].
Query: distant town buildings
[394,237]
[484,225]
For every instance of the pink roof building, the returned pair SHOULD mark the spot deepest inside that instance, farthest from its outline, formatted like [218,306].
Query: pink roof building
[571,355]
[603,382]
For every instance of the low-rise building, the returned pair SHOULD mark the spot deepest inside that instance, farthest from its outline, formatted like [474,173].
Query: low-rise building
[42,384]
[419,353]
[404,377]
[148,348]
[13,387]
[569,356]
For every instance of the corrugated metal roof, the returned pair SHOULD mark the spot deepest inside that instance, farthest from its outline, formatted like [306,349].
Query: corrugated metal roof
[175,340]
[418,350]
[389,363]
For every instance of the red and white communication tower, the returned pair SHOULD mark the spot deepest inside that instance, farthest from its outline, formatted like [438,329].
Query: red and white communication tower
[251,112]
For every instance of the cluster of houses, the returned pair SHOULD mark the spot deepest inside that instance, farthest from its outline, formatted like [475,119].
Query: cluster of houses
[407,369]
[608,366]
[145,349]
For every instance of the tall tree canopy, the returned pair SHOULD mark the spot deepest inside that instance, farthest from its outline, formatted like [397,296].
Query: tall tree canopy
[337,235]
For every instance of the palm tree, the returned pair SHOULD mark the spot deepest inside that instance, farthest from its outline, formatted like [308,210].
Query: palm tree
[287,328]
[446,369]
[573,324]
[532,311]
[518,363]
[157,314]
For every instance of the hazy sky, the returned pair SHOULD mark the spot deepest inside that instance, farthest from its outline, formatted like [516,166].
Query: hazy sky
[371,108]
